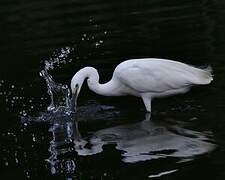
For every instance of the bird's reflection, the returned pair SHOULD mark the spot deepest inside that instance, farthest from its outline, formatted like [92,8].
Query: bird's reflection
[148,140]
[145,140]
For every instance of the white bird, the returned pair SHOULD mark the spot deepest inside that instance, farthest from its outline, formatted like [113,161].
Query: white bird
[147,78]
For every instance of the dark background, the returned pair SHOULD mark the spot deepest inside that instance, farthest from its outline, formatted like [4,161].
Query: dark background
[103,34]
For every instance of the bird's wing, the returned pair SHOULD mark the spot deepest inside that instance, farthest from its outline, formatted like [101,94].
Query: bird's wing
[145,76]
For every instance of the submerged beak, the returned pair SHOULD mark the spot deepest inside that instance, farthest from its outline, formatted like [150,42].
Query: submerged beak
[74,98]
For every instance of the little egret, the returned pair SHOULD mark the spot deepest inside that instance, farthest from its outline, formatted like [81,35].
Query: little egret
[146,78]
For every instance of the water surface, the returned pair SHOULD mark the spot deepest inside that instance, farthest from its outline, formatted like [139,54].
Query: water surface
[108,137]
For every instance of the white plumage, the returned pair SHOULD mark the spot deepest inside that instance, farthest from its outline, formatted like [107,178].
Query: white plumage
[146,78]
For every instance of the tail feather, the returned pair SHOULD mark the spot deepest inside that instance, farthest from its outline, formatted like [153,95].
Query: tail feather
[206,74]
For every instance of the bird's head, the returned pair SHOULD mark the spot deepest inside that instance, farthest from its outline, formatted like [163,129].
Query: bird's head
[78,79]
[76,84]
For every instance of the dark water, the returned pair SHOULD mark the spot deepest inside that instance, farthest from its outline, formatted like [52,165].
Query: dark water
[108,138]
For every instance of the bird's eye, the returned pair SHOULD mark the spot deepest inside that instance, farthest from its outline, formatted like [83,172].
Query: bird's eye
[76,85]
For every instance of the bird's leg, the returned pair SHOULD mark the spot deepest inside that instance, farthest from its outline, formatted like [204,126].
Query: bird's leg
[147,116]
[147,102]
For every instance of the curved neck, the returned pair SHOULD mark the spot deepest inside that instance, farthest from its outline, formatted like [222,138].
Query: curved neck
[93,81]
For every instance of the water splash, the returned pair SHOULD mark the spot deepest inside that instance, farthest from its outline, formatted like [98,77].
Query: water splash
[61,115]
[59,57]
[59,94]
[61,106]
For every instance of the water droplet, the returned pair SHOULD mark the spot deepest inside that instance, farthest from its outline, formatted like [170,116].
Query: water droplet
[97,44]
[24,113]
[33,138]
[28,175]
[16,160]
[15,97]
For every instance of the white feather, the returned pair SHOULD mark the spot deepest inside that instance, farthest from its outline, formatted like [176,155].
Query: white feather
[146,78]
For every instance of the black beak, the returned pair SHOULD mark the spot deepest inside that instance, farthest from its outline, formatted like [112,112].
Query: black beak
[74,99]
